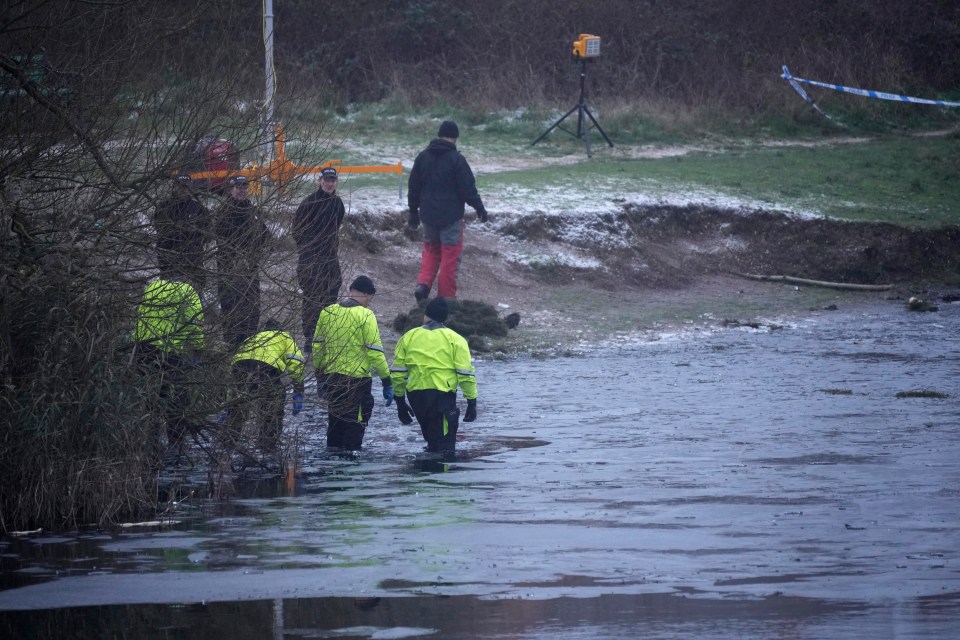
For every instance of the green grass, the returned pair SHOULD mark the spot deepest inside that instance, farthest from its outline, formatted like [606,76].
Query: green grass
[908,180]
[912,182]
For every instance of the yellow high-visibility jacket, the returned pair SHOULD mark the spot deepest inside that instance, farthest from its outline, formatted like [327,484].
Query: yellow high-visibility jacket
[433,357]
[277,349]
[347,341]
[170,317]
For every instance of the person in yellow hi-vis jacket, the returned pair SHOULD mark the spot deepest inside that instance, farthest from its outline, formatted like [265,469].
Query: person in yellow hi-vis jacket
[265,364]
[347,350]
[430,362]
[167,340]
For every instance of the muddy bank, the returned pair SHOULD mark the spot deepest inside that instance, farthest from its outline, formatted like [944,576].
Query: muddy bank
[666,246]
[576,279]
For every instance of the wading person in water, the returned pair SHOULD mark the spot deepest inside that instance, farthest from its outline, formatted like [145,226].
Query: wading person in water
[346,349]
[264,366]
[430,362]
[168,340]
[440,183]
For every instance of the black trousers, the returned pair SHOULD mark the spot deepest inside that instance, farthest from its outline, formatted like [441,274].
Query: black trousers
[349,407]
[438,416]
[239,308]
[169,371]
[187,265]
[321,288]
[259,390]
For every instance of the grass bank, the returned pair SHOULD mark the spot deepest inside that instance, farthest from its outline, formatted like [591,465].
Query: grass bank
[908,179]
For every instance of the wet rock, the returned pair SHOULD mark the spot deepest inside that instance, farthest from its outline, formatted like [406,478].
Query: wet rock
[469,318]
[916,303]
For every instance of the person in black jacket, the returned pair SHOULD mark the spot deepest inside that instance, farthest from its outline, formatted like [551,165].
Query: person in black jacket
[182,228]
[242,239]
[440,183]
[316,229]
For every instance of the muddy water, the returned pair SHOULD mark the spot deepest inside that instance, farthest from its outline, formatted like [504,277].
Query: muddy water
[734,483]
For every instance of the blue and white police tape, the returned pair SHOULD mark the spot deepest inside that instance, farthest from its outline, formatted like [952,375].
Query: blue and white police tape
[880,95]
[803,94]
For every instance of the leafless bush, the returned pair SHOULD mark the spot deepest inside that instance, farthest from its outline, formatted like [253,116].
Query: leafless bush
[88,146]
[517,52]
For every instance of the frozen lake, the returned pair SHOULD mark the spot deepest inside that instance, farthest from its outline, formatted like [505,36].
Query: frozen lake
[734,483]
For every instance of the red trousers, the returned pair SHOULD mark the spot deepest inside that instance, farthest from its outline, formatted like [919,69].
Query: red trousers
[442,249]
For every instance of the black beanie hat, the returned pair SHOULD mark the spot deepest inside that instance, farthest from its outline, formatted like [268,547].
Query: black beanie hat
[363,284]
[448,129]
[437,309]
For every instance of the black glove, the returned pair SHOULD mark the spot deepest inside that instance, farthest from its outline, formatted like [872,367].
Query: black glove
[482,214]
[403,410]
[471,413]
[413,219]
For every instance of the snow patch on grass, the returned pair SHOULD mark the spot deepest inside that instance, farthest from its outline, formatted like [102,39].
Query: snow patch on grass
[557,257]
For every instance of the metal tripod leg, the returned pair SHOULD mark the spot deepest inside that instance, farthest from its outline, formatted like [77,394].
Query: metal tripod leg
[555,125]
[597,125]
[583,131]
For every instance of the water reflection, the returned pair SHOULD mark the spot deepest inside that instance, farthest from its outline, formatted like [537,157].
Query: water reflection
[605,616]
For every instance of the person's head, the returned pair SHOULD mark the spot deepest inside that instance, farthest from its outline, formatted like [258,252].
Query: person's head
[362,290]
[437,309]
[449,130]
[328,180]
[183,183]
[238,187]
[271,325]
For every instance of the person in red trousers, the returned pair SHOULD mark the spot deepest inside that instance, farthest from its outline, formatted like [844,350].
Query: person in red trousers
[441,183]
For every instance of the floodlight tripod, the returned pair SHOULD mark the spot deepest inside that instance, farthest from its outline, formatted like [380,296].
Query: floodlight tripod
[581,109]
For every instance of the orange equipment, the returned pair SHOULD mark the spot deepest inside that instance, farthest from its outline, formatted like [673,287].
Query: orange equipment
[281,171]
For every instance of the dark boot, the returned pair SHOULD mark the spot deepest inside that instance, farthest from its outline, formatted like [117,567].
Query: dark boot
[421,292]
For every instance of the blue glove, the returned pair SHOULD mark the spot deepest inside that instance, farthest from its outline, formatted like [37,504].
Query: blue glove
[297,403]
[388,393]
[222,416]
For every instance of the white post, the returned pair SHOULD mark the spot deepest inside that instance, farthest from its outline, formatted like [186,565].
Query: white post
[267,147]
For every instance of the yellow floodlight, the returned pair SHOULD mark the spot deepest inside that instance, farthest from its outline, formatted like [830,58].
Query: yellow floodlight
[586,46]
[585,49]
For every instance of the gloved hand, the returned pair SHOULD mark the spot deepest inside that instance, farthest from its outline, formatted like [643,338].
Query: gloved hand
[482,215]
[471,413]
[222,416]
[297,403]
[403,410]
[387,392]
[413,219]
